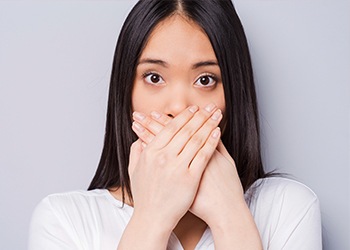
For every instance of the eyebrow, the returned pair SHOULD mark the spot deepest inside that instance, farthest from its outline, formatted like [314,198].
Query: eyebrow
[205,63]
[166,65]
[153,61]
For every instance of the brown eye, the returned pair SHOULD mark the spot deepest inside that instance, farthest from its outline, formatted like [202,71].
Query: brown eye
[153,78]
[206,81]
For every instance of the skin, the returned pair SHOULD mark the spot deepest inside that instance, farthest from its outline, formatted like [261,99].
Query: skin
[179,164]
[187,55]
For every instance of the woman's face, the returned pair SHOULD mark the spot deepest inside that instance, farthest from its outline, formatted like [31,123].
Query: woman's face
[177,68]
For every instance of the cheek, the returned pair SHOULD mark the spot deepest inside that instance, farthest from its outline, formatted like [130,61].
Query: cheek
[221,104]
[137,98]
[143,100]
[219,98]
[202,98]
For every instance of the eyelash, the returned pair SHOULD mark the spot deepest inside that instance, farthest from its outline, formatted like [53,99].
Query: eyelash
[212,76]
[147,74]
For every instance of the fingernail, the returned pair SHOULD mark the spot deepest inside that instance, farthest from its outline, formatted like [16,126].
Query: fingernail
[155,115]
[143,144]
[210,107]
[216,133]
[216,116]
[138,127]
[138,116]
[193,109]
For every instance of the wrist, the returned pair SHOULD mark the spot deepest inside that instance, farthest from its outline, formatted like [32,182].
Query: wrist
[228,214]
[142,233]
[152,224]
[236,227]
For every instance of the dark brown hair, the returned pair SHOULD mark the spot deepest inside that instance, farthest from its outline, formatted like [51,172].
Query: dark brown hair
[221,23]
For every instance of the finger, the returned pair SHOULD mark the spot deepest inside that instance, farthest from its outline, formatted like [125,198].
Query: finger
[161,118]
[147,122]
[222,149]
[150,126]
[203,156]
[196,142]
[170,130]
[187,133]
[143,133]
[135,152]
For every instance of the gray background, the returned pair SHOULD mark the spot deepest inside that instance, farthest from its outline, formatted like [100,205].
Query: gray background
[55,62]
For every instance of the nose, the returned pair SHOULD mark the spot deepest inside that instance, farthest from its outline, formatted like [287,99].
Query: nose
[178,99]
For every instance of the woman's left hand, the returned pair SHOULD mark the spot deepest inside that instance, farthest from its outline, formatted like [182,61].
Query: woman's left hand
[220,192]
[220,197]
[220,187]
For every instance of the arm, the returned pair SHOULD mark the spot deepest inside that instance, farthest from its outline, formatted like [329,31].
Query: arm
[227,213]
[235,227]
[142,232]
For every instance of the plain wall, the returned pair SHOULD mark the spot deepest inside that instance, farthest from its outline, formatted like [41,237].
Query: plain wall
[55,63]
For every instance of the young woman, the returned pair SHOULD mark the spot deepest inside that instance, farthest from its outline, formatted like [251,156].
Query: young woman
[181,165]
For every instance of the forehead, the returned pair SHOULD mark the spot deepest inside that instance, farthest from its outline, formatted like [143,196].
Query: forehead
[177,37]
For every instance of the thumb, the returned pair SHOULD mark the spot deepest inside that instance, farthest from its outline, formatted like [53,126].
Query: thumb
[221,148]
[135,152]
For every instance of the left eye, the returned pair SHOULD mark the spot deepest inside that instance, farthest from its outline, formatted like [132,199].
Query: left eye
[206,81]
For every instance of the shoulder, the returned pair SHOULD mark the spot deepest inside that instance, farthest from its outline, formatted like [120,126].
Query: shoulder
[285,211]
[78,219]
[281,200]
[75,206]
[283,189]
[75,199]
[78,196]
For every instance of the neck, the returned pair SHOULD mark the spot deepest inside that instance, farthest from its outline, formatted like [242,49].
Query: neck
[189,230]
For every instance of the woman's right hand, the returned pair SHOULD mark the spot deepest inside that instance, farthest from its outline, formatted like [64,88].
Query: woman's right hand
[233,225]
[165,174]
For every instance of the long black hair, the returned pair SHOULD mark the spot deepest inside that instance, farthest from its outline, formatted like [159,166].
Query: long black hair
[221,23]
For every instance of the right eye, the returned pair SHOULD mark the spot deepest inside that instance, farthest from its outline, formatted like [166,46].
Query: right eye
[153,78]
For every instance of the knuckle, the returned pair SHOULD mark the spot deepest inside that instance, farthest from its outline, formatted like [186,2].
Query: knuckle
[147,122]
[197,140]
[201,116]
[171,129]
[187,132]
[166,119]
[203,156]
[149,150]
[161,159]
[147,137]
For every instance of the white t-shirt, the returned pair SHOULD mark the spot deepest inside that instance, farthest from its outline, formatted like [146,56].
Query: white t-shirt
[286,213]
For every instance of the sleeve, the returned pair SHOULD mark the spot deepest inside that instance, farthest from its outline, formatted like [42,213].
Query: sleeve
[48,231]
[299,221]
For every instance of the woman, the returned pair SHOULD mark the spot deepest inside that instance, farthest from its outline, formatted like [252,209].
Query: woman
[181,81]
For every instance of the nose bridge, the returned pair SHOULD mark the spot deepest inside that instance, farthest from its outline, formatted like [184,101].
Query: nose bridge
[179,99]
